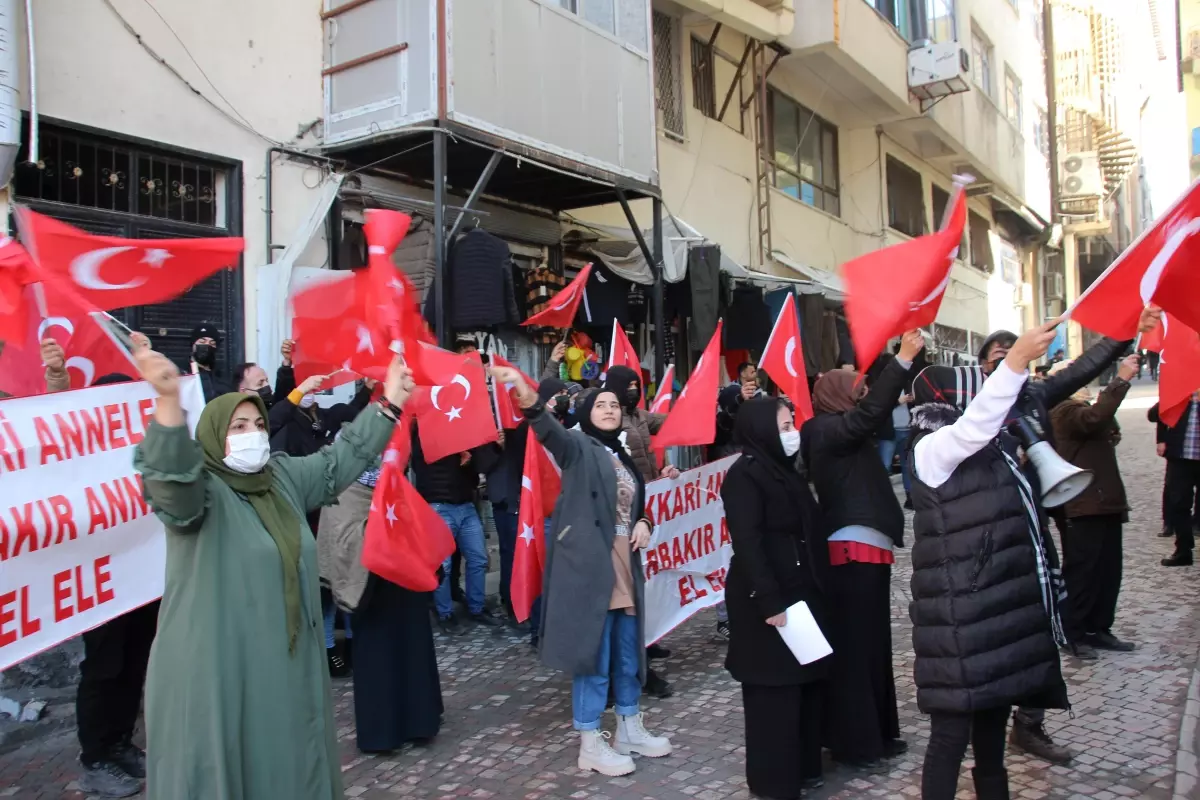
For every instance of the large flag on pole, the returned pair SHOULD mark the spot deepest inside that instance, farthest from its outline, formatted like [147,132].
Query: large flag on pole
[1160,267]
[693,420]
[783,360]
[900,288]
[560,312]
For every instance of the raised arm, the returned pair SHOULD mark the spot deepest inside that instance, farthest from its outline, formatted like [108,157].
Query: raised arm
[861,422]
[1088,366]
[939,453]
[556,356]
[1079,421]
[57,379]
[564,447]
[170,461]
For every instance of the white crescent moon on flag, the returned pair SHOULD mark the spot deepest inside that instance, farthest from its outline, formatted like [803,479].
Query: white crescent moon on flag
[85,366]
[566,301]
[433,395]
[85,268]
[937,290]
[463,382]
[53,322]
[788,352]
[1153,273]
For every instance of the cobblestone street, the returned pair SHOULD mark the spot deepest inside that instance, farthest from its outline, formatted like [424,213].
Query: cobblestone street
[507,731]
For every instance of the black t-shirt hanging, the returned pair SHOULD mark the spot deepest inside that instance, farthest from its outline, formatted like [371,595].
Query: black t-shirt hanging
[606,298]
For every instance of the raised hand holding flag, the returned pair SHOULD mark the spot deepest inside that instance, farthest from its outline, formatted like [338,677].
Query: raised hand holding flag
[783,360]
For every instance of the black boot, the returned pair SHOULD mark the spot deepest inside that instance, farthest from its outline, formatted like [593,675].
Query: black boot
[991,787]
[1180,558]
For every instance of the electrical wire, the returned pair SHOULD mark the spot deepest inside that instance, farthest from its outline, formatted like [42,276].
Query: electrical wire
[154,55]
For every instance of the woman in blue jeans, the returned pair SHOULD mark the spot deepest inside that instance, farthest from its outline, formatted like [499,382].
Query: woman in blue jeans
[594,593]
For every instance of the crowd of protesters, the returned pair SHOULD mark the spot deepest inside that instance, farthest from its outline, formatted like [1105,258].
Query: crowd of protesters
[812,515]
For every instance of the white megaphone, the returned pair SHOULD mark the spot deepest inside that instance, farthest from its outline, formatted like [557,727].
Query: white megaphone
[1061,481]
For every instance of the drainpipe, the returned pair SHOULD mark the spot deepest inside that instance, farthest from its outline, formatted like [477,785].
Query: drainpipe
[10,105]
[268,199]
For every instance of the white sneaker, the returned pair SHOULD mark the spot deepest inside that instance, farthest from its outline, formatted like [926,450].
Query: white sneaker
[632,737]
[597,755]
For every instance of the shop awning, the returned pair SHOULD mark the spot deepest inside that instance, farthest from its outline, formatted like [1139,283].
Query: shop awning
[819,281]
[617,248]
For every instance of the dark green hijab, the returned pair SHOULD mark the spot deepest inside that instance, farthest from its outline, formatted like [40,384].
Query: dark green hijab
[274,512]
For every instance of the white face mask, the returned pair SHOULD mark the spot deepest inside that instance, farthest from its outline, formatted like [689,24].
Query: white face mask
[307,401]
[790,441]
[248,452]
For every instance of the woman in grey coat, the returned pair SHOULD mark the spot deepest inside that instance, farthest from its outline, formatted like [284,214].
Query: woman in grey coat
[592,623]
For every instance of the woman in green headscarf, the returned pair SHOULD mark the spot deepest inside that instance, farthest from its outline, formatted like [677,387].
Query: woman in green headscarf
[237,697]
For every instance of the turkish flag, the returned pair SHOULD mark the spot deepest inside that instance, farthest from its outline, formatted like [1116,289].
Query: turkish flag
[508,412]
[392,310]
[693,420]
[1178,368]
[622,354]
[1158,268]
[783,360]
[665,392]
[108,272]
[1153,340]
[406,540]
[456,416]
[900,288]
[330,328]
[91,349]
[529,561]
[16,270]
[560,312]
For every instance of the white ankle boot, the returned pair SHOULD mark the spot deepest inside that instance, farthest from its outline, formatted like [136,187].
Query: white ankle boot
[632,737]
[597,755]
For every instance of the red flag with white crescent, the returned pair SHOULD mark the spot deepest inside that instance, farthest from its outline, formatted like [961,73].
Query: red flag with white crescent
[560,311]
[107,272]
[783,360]
[1158,268]
[456,416]
[508,412]
[529,560]
[665,392]
[622,354]
[900,288]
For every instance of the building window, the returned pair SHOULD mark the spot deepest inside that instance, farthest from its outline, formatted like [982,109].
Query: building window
[806,154]
[1041,133]
[625,19]
[981,243]
[941,21]
[704,89]
[668,86]
[941,199]
[905,199]
[1012,98]
[895,12]
[981,62]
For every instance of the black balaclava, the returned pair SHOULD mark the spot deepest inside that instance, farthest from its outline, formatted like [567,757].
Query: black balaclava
[547,390]
[618,382]
[205,354]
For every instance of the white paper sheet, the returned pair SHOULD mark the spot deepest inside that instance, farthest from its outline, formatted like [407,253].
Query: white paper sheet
[803,636]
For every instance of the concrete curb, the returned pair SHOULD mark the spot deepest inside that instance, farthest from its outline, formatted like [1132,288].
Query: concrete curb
[1187,759]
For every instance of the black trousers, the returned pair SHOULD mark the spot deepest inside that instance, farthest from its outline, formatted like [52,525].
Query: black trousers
[111,678]
[1182,483]
[948,737]
[783,738]
[1092,561]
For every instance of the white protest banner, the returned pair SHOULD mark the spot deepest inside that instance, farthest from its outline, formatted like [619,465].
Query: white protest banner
[78,544]
[689,553]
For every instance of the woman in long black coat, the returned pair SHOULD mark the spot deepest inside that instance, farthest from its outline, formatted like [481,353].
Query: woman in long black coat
[778,560]
[863,523]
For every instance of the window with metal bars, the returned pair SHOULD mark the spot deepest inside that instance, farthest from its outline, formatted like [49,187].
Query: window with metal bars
[704,90]
[668,88]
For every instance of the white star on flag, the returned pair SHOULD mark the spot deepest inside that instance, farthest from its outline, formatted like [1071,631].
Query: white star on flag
[376,250]
[364,340]
[527,534]
[391,515]
[454,413]
[395,285]
[391,456]
[155,256]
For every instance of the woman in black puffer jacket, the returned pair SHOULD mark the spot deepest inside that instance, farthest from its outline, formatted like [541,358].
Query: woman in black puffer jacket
[986,627]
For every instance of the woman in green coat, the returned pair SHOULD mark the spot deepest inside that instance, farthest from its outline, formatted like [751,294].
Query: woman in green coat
[237,698]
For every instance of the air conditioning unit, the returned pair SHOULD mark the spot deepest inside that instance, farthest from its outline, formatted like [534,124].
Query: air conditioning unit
[1079,175]
[1054,286]
[938,70]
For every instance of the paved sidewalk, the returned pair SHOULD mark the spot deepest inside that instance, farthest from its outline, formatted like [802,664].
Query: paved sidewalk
[507,728]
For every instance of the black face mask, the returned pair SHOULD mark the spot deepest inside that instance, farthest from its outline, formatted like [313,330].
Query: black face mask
[266,394]
[632,395]
[204,354]
[562,406]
